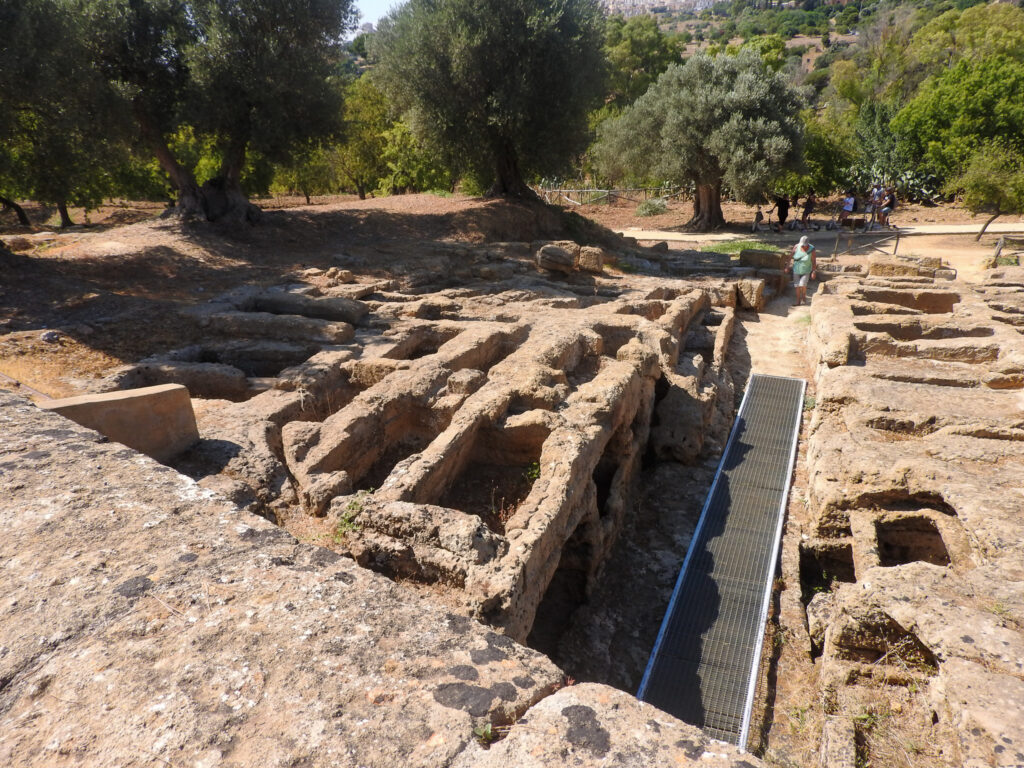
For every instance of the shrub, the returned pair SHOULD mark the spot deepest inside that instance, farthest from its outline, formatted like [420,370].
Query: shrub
[653,207]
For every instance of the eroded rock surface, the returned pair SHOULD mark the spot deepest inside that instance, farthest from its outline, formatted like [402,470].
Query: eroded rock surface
[485,439]
[910,559]
[147,621]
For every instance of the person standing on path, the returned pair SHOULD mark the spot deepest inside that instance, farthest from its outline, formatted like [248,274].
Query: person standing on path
[805,267]
[875,195]
[849,206]
[781,209]
[805,220]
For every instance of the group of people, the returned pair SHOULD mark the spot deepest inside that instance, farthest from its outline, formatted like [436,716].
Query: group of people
[881,202]
[781,210]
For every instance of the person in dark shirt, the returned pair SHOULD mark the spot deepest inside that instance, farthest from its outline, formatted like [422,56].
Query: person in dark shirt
[782,211]
[809,203]
[888,203]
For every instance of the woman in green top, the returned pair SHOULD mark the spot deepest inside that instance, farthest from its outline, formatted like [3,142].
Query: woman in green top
[804,267]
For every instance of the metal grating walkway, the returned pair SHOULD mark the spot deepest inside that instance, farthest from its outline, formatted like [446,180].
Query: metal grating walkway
[703,668]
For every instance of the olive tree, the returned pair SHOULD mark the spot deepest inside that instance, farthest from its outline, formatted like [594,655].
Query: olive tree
[711,122]
[258,76]
[992,181]
[501,87]
[61,127]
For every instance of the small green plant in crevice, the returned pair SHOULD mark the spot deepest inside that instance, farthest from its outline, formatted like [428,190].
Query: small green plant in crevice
[809,402]
[653,207]
[803,319]
[485,734]
[347,519]
[827,586]
[868,719]
[1000,609]
[798,719]
[532,471]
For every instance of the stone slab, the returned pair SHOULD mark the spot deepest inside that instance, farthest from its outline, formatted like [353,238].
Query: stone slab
[157,421]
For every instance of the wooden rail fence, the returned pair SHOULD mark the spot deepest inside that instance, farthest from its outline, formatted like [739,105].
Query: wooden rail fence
[558,196]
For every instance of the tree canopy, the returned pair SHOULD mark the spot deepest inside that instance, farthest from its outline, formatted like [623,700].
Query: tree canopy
[86,80]
[954,113]
[710,122]
[62,130]
[992,181]
[501,87]
[638,52]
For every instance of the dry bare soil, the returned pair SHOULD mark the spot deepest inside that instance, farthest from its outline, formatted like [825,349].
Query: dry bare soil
[130,260]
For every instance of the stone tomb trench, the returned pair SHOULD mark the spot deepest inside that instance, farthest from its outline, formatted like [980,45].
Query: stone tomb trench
[903,540]
[493,460]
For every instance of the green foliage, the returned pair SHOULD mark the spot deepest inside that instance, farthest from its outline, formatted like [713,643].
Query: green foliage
[653,207]
[347,519]
[359,158]
[251,81]
[771,49]
[358,45]
[732,246]
[62,131]
[309,173]
[410,165]
[976,33]
[638,52]
[485,733]
[498,86]
[710,121]
[992,180]
[828,155]
[959,110]
[532,473]
[260,71]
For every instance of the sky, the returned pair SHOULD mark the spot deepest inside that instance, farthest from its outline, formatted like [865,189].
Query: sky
[372,10]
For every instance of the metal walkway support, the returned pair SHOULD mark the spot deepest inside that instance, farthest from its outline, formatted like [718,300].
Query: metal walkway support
[704,665]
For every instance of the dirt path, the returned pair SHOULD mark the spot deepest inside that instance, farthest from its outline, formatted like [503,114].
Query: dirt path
[773,341]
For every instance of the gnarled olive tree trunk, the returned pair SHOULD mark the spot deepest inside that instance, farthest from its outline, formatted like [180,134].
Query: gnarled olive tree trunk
[220,198]
[9,204]
[707,208]
[508,181]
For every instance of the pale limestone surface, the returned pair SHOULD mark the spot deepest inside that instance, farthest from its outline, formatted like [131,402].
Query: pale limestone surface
[593,725]
[915,460]
[157,421]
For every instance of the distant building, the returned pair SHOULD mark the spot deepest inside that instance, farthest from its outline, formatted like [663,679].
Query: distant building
[643,7]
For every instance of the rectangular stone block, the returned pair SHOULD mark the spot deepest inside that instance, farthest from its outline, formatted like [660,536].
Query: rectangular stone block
[157,421]
[750,257]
